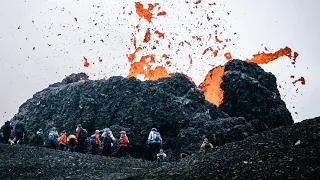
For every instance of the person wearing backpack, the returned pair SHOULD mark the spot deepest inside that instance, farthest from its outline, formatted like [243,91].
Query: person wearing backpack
[154,143]
[6,130]
[72,140]
[62,140]
[107,143]
[53,138]
[81,135]
[95,142]
[124,141]
[20,131]
[206,145]
[37,140]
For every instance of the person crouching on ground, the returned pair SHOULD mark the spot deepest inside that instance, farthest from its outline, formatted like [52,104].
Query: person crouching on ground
[72,140]
[206,145]
[62,140]
[161,156]
[37,140]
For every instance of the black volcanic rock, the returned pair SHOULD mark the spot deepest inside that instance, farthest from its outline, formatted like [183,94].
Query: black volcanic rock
[173,105]
[252,93]
[288,152]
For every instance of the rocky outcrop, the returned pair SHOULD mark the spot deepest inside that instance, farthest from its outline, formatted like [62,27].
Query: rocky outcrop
[252,93]
[173,105]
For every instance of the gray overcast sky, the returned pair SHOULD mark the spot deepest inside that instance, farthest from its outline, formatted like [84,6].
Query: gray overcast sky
[273,23]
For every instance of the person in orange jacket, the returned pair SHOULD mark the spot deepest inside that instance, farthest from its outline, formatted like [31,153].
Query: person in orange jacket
[62,140]
[95,141]
[124,141]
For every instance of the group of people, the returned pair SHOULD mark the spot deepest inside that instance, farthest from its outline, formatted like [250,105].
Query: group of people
[77,141]
[103,138]
[6,133]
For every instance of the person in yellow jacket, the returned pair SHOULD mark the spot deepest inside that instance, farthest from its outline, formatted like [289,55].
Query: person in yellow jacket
[72,140]
[206,145]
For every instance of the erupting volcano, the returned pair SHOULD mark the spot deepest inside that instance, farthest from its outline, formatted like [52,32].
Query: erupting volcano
[211,84]
[150,63]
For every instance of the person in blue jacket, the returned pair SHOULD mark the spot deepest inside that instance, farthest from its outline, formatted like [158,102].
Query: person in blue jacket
[154,143]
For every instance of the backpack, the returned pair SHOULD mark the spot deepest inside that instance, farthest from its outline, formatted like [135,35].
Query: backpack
[156,136]
[207,146]
[51,137]
[84,134]
[93,140]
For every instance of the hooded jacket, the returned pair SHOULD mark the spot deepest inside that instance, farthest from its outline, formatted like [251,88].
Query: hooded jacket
[62,139]
[124,141]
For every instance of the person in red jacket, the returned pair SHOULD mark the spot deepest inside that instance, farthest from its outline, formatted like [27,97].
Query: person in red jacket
[97,144]
[124,141]
[62,140]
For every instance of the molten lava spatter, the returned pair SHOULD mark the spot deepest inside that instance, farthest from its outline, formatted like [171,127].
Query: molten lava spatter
[211,85]
[85,63]
[162,13]
[132,56]
[144,13]
[161,35]
[144,68]
[264,58]
[147,37]
[301,79]
[228,56]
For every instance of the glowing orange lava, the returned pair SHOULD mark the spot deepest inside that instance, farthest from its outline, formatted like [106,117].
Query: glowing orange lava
[189,56]
[218,40]
[264,58]
[301,79]
[132,56]
[211,85]
[228,56]
[162,13]
[144,13]
[161,35]
[164,56]
[147,37]
[85,64]
[135,42]
[144,68]
[196,38]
